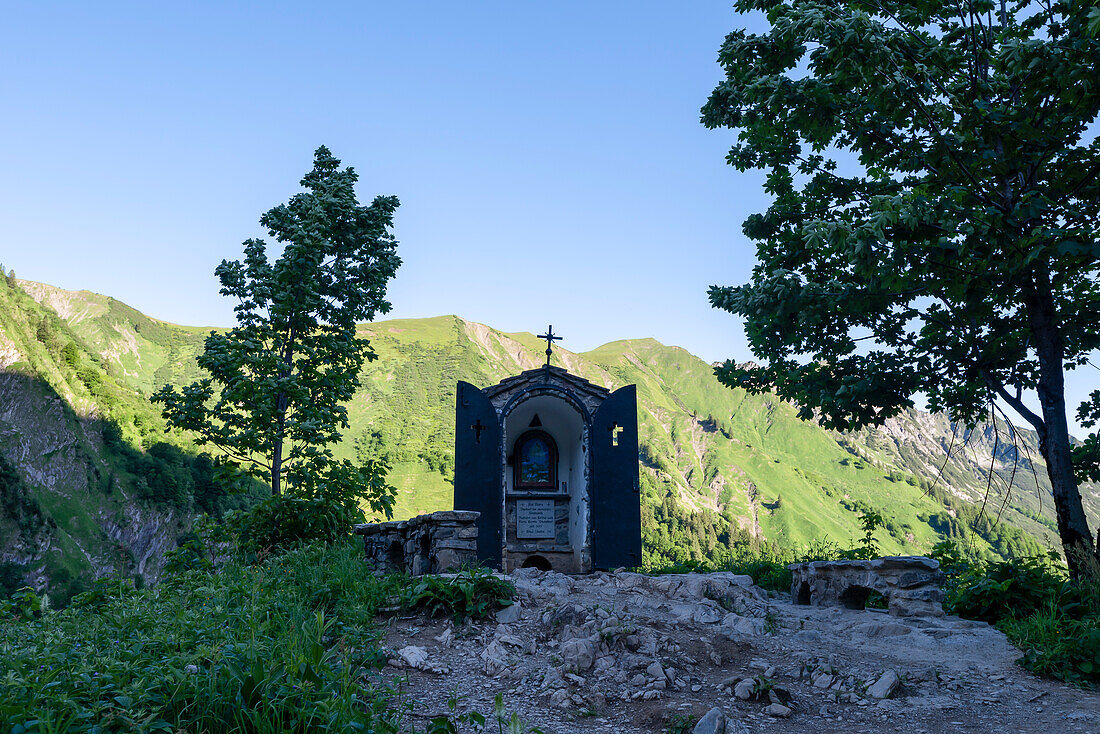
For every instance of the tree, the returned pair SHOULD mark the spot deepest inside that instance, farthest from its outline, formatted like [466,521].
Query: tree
[934,227]
[273,400]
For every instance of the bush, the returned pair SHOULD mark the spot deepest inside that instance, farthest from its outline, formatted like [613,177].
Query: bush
[11,578]
[201,549]
[23,605]
[1055,620]
[282,522]
[243,650]
[1057,646]
[475,593]
[103,591]
[995,591]
[321,509]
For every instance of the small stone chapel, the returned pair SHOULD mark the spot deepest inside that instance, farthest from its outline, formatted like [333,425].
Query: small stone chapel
[550,460]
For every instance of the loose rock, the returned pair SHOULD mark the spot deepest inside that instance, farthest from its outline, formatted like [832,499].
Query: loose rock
[713,722]
[578,654]
[885,686]
[509,614]
[778,709]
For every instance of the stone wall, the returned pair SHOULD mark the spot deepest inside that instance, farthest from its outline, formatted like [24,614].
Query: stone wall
[441,541]
[911,584]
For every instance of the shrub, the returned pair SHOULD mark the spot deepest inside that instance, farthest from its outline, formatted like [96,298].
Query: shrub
[24,604]
[11,578]
[103,592]
[243,650]
[282,522]
[1055,620]
[995,591]
[70,355]
[474,593]
[201,549]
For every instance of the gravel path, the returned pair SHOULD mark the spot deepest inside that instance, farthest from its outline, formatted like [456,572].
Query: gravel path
[622,652]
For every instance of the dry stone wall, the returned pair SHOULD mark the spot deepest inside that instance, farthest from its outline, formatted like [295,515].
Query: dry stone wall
[911,584]
[434,543]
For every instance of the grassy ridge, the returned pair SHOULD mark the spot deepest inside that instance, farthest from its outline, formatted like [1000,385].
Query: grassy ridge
[718,465]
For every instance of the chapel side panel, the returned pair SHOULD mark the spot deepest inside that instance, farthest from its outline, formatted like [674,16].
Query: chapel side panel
[615,493]
[478,478]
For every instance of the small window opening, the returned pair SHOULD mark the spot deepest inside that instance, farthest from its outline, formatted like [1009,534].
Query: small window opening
[537,562]
[615,430]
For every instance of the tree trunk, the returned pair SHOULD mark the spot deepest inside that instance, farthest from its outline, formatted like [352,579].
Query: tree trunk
[281,403]
[1054,443]
[277,450]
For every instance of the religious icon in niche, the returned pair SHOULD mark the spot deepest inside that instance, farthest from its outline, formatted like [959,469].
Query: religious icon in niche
[536,464]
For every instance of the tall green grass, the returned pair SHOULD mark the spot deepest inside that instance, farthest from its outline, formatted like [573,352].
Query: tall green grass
[289,645]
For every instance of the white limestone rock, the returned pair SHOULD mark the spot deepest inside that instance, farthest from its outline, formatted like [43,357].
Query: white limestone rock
[713,722]
[778,710]
[509,614]
[413,656]
[885,686]
[578,654]
[744,689]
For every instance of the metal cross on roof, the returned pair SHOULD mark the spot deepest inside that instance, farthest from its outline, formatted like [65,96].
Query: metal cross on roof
[550,338]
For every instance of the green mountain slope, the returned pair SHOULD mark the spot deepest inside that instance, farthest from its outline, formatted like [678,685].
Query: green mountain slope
[718,465]
[90,481]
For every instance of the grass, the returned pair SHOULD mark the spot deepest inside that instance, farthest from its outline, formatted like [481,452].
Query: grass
[289,645]
[1053,619]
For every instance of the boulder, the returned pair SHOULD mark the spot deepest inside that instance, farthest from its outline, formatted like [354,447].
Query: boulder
[578,654]
[510,613]
[885,686]
[745,689]
[413,656]
[713,722]
[778,709]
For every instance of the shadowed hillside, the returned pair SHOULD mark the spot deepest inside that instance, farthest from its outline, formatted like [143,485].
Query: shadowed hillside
[90,482]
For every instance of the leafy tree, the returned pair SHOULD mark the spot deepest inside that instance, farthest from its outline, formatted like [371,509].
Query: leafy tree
[273,400]
[70,355]
[934,227]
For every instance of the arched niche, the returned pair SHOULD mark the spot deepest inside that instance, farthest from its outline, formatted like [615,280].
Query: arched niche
[550,421]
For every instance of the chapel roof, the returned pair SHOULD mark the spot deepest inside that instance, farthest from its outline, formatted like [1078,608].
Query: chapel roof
[548,374]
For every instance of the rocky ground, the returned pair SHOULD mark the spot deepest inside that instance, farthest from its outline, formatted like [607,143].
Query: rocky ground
[623,652]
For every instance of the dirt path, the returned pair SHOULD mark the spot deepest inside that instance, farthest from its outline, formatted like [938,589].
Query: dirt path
[624,652]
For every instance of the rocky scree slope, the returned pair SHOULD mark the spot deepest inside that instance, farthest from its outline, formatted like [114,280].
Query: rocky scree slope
[622,651]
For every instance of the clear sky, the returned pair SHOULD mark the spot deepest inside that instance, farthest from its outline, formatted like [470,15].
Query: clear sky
[548,156]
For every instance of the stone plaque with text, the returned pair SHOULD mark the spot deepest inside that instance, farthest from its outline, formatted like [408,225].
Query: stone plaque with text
[534,518]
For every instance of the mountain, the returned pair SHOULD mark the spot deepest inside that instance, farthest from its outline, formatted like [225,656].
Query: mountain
[718,465]
[89,481]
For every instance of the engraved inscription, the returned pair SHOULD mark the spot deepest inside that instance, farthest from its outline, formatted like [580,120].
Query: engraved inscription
[534,518]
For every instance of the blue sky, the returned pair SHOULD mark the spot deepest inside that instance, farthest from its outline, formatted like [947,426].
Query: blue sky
[548,156]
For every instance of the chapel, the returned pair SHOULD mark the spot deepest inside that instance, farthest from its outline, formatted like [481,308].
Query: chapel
[550,460]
